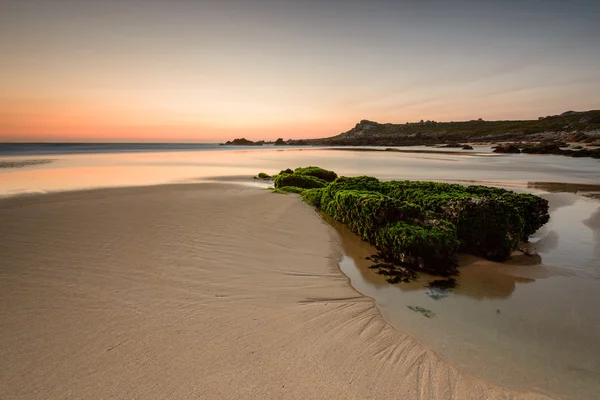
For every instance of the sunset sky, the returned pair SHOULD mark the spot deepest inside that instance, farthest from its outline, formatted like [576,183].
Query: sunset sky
[212,70]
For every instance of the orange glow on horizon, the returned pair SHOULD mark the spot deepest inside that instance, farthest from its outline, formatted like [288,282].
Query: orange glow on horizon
[211,71]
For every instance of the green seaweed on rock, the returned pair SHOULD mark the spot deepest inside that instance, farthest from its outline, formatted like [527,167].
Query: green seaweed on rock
[421,225]
[326,175]
[287,189]
[263,175]
[300,181]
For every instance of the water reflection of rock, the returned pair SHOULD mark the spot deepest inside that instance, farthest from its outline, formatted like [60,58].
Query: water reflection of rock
[478,278]
[547,242]
[581,188]
[593,222]
[559,200]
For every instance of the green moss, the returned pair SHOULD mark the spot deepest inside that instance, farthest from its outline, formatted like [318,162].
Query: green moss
[326,175]
[421,225]
[300,181]
[362,183]
[262,175]
[430,247]
[313,197]
[490,221]
[288,189]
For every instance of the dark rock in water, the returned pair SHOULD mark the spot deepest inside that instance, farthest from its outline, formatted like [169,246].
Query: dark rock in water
[509,149]
[300,142]
[441,288]
[242,142]
[467,147]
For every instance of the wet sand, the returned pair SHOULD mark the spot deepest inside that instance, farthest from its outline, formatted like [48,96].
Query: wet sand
[196,291]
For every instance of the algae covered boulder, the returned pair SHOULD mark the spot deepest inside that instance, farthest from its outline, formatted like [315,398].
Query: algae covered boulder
[486,227]
[429,247]
[262,175]
[421,225]
[299,181]
[326,175]
[490,221]
[402,230]
[366,212]
[508,148]
[533,209]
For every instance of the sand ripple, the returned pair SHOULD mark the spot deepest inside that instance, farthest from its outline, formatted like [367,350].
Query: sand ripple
[196,291]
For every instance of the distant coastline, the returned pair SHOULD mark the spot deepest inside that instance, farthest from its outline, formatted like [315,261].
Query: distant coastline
[551,134]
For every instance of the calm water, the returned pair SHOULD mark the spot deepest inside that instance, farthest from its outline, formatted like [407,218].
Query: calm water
[532,322]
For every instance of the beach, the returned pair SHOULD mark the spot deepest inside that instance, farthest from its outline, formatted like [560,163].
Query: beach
[196,291]
[120,243]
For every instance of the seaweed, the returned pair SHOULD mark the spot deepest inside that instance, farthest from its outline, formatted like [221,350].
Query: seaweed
[421,225]
[262,175]
[426,313]
[300,181]
[288,189]
[326,175]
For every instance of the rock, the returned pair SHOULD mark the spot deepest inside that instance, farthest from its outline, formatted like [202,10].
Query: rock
[242,142]
[507,148]
[528,249]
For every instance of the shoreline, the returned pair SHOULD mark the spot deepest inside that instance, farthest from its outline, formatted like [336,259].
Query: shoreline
[329,328]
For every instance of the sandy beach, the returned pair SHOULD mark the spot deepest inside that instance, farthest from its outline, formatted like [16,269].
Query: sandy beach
[210,291]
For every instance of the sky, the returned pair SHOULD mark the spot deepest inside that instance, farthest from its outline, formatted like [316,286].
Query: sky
[212,70]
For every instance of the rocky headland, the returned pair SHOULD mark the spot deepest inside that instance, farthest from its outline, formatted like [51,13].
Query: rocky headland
[571,127]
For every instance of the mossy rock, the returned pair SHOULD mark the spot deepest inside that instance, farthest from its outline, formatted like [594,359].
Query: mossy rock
[326,175]
[288,189]
[265,176]
[299,181]
[430,247]
[313,197]
[421,225]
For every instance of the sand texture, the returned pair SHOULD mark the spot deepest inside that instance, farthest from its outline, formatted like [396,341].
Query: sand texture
[207,291]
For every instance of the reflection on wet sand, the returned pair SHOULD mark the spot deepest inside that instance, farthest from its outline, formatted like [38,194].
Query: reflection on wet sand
[478,278]
[587,190]
[23,163]
[534,313]
[593,222]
